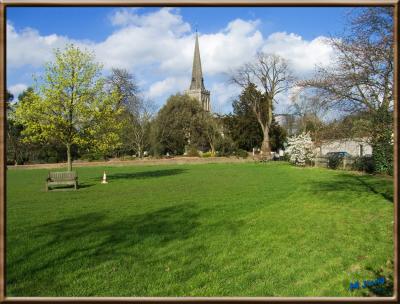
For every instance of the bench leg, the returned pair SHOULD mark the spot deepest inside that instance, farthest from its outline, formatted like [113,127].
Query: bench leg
[76,186]
[47,187]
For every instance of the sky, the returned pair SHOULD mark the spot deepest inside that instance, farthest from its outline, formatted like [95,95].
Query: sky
[156,44]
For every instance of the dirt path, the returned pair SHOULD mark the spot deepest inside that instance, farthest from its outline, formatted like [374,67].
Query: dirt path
[143,162]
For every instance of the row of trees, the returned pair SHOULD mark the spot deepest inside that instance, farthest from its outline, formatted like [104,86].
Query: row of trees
[357,87]
[75,110]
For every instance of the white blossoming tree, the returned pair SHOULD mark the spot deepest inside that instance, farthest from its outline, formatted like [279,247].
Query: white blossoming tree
[300,149]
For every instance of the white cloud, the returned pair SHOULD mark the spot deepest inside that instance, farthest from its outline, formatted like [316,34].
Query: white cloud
[28,47]
[159,45]
[166,18]
[231,47]
[123,16]
[169,85]
[150,40]
[222,96]
[17,89]
[303,55]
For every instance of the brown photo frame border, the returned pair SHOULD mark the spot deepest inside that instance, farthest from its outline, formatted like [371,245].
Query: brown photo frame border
[177,3]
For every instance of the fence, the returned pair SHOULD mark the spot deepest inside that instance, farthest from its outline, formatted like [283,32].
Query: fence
[345,164]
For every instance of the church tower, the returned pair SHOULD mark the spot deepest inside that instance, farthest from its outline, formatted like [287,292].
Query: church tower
[197,89]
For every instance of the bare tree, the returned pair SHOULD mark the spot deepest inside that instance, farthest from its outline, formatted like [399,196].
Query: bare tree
[125,84]
[137,111]
[309,111]
[270,75]
[140,124]
[136,132]
[361,78]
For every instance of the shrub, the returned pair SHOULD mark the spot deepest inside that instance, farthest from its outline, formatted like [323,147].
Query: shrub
[286,157]
[226,147]
[10,162]
[52,159]
[241,153]
[207,154]
[128,157]
[301,149]
[334,161]
[364,163]
[93,156]
[193,152]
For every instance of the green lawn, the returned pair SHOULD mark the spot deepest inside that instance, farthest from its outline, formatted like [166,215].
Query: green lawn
[198,230]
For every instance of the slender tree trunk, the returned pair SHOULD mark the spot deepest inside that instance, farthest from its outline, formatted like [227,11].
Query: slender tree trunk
[265,146]
[212,149]
[69,158]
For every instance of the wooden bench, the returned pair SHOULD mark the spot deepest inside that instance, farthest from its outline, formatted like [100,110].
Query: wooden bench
[62,178]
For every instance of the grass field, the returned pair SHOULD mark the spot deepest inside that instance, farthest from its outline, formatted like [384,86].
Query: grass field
[198,230]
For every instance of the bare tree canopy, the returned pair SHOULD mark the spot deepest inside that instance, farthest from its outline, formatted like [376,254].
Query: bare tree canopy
[361,77]
[263,80]
[139,126]
[308,113]
[125,84]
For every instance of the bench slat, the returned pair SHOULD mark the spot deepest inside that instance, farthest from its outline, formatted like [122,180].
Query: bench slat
[59,178]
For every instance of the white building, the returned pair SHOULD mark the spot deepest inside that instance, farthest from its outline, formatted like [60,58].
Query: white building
[354,146]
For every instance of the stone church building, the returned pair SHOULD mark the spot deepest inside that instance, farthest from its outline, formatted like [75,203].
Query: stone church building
[197,89]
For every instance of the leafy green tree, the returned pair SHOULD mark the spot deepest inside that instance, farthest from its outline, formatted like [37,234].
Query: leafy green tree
[13,132]
[247,132]
[25,93]
[277,136]
[213,131]
[242,126]
[178,125]
[9,97]
[71,105]
[18,151]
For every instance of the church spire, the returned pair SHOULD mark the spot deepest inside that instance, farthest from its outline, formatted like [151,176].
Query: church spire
[197,89]
[197,74]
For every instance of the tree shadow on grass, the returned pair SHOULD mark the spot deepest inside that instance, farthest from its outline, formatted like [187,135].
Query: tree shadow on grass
[377,187]
[57,188]
[146,174]
[85,185]
[356,183]
[91,239]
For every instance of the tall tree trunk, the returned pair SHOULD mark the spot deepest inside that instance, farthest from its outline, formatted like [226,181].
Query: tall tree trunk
[212,149]
[69,158]
[265,146]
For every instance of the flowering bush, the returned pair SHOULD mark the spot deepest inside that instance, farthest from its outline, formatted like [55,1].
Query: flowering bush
[301,149]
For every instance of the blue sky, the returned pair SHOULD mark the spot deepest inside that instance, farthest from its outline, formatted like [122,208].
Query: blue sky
[156,44]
